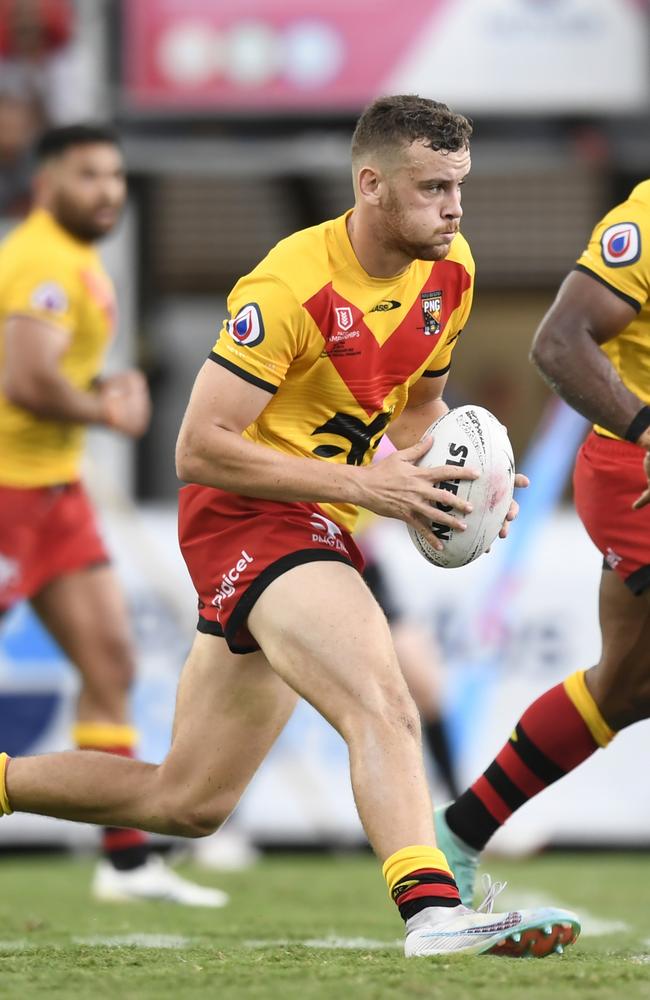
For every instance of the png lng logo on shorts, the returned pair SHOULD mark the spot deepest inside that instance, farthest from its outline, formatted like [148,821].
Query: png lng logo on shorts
[247,328]
[620,244]
[226,588]
[330,533]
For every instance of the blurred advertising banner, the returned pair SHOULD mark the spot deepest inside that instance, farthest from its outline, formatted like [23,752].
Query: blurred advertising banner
[279,56]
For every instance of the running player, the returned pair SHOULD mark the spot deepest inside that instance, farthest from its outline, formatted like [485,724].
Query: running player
[593,348]
[57,315]
[341,330]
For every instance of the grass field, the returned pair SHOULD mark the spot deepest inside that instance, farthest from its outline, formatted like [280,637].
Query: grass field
[310,927]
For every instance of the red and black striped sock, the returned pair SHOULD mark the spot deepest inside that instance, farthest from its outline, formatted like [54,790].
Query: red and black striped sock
[125,849]
[419,877]
[556,733]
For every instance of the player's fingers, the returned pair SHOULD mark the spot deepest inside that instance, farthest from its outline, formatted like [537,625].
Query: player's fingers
[513,510]
[429,512]
[416,451]
[521,480]
[642,501]
[448,473]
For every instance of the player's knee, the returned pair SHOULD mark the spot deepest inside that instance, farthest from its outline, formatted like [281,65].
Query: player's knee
[192,816]
[119,658]
[621,699]
[194,823]
[390,707]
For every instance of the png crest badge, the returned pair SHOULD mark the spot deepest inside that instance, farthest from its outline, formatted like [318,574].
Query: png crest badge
[431,312]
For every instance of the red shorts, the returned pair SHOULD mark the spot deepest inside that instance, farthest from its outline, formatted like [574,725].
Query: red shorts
[236,546]
[45,532]
[608,478]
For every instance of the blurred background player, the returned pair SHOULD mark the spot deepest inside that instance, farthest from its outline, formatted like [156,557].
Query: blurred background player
[593,348]
[57,313]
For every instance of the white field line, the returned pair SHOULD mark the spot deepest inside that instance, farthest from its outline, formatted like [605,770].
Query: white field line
[135,941]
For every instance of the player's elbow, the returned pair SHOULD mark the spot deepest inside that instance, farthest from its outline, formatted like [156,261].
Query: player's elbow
[21,392]
[188,457]
[544,350]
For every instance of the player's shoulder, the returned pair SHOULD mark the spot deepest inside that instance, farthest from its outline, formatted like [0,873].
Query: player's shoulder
[622,236]
[301,262]
[37,243]
[460,253]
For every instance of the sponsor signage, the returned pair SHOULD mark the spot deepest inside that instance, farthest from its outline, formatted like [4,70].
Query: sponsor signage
[497,56]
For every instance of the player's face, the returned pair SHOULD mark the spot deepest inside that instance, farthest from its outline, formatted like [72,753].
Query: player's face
[421,204]
[88,189]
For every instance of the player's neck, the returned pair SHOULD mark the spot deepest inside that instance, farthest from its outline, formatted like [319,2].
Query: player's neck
[376,259]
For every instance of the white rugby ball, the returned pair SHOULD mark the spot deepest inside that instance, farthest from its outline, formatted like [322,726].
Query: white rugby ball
[469,436]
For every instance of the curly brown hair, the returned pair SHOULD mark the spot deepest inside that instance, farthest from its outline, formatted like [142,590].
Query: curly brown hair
[390,123]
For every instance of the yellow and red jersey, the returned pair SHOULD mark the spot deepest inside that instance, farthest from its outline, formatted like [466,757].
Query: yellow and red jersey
[337,348]
[47,274]
[618,255]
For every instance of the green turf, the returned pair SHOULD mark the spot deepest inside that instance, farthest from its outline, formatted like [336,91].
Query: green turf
[258,947]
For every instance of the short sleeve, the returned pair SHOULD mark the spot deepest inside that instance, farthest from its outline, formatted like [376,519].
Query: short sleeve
[45,290]
[262,334]
[618,254]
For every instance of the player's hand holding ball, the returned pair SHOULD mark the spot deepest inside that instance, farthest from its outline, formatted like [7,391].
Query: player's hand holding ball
[125,402]
[398,487]
[470,436]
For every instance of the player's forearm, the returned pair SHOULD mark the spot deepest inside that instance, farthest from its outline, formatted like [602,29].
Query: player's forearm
[52,397]
[413,421]
[223,459]
[581,373]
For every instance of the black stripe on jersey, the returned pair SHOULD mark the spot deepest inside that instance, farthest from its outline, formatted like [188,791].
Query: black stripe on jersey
[621,295]
[247,377]
[441,371]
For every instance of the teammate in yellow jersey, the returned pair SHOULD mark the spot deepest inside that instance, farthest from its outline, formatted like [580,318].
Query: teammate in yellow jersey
[593,347]
[341,331]
[57,314]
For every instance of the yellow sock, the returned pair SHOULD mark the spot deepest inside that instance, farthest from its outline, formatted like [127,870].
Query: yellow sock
[417,877]
[104,736]
[577,690]
[5,808]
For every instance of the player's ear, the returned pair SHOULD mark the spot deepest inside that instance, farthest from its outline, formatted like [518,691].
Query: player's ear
[369,184]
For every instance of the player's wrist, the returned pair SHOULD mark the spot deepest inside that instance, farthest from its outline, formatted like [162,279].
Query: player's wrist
[638,431]
[108,409]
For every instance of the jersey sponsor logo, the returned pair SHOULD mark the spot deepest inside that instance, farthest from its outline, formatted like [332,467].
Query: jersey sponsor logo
[344,317]
[385,306]
[49,296]
[431,312]
[247,328]
[620,244]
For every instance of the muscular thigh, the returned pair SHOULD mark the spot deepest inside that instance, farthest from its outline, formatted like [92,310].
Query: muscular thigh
[322,630]
[621,680]
[230,709]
